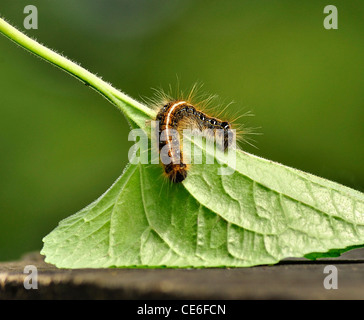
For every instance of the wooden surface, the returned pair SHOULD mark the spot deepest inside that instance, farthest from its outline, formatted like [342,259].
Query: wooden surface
[290,279]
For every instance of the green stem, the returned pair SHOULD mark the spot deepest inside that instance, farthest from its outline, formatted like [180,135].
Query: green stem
[116,97]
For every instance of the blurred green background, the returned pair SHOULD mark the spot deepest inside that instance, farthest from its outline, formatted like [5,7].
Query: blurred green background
[62,145]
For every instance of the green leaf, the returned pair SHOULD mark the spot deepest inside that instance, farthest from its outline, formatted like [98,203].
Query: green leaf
[262,213]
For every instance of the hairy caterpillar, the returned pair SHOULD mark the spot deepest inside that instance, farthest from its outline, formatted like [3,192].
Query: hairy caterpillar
[176,114]
[171,116]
